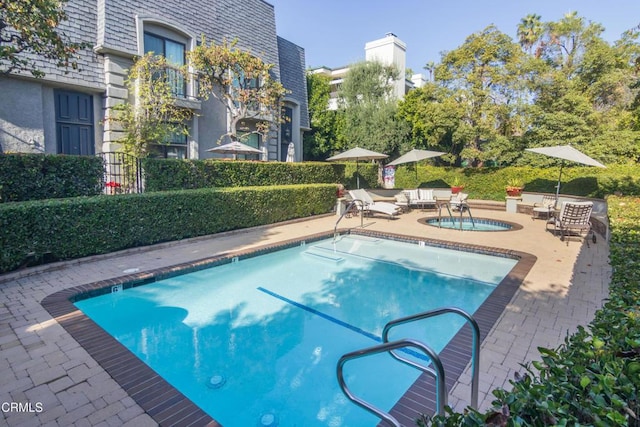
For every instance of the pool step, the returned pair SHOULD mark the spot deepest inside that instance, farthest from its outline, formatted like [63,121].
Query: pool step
[324,255]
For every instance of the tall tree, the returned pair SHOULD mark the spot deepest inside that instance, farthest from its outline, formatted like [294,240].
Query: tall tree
[241,82]
[434,115]
[324,137]
[530,31]
[29,31]
[583,95]
[370,108]
[154,116]
[486,73]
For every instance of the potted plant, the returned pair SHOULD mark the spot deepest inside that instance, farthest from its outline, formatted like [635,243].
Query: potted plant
[514,187]
[456,185]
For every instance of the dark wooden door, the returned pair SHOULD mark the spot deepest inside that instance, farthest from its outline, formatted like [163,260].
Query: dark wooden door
[74,123]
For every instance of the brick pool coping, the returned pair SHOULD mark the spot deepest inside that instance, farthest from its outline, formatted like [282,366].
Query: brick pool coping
[167,406]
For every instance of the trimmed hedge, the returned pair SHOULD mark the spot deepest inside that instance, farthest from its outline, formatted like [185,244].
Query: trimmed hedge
[50,230]
[594,377]
[489,183]
[48,176]
[162,175]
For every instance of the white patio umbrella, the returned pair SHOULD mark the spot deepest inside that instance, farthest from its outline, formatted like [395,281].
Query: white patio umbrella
[356,154]
[566,152]
[415,155]
[235,148]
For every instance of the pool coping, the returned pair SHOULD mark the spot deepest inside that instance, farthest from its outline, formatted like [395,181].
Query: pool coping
[167,406]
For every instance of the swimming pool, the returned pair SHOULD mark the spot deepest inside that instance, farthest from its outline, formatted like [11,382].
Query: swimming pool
[262,325]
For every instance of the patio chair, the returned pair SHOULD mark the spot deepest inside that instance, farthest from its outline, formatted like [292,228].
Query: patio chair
[574,218]
[369,206]
[421,197]
[546,207]
[458,201]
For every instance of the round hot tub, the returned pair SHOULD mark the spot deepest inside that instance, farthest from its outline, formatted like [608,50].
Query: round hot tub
[467,224]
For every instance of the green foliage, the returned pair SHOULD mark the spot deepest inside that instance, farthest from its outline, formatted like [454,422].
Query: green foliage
[28,30]
[370,109]
[325,136]
[241,82]
[489,183]
[367,83]
[45,176]
[162,174]
[44,231]
[155,116]
[594,377]
[486,74]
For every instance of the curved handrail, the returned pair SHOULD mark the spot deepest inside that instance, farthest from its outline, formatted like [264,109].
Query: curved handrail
[475,359]
[389,347]
[353,202]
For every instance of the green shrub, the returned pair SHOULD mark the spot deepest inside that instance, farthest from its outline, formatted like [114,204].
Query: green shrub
[48,176]
[594,377]
[164,175]
[49,230]
[490,183]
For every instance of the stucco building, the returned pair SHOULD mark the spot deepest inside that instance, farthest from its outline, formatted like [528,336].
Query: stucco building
[389,50]
[64,113]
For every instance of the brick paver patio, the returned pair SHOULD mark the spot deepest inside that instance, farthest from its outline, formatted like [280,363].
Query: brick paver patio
[55,381]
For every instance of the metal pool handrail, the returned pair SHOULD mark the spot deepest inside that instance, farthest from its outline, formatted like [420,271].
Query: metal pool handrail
[475,358]
[389,347]
[353,202]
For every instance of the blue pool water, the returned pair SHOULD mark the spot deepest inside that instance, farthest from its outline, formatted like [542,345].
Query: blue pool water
[256,342]
[478,224]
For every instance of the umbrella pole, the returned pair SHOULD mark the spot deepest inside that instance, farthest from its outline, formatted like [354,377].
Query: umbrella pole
[559,180]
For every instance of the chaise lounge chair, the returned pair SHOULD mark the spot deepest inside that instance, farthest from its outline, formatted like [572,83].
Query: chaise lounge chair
[574,217]
[369,206]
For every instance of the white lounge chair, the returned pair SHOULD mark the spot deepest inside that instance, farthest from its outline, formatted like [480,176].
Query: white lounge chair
[369,206]
[574,217]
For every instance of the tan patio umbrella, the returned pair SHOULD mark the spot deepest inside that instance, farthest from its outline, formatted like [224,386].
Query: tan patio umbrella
[415,155]
[235,148]
[356,154]
[566,152]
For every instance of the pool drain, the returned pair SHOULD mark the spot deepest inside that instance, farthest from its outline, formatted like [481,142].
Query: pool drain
[216,381]
[268,420]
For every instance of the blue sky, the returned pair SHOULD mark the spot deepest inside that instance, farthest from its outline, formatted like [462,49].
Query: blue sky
[334,32]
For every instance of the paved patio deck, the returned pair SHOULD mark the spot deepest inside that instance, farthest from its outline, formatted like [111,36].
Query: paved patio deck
[41,364]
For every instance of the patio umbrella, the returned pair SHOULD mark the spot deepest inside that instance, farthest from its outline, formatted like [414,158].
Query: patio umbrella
[235,148]
[566,152]
[415,155]
[356,154]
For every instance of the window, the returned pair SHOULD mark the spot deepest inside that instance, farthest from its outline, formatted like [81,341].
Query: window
[174,52]
[286,132]
[175,147]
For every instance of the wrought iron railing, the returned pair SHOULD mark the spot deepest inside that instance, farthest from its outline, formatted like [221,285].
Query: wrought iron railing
[122,173]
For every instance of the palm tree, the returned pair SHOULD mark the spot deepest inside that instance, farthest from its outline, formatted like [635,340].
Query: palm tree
[430,67]
[530,31]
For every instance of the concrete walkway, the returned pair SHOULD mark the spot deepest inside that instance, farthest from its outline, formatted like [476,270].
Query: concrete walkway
[48,379]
